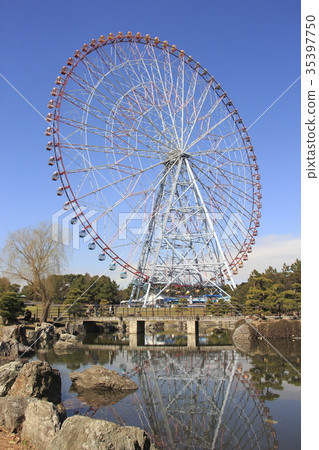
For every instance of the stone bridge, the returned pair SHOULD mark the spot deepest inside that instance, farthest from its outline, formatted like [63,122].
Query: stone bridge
[136,325]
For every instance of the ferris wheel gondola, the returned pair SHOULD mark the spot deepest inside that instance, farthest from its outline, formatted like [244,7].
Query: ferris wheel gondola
[142,132]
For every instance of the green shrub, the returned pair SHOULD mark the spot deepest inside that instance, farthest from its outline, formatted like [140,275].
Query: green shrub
[11,306]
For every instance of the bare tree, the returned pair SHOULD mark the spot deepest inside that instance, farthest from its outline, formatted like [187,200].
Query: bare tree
[31,255]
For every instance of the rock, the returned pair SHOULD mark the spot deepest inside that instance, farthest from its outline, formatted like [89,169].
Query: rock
[79,432]
[31,336]
[98,377]
[8,374]
[38,379]
[156,327]
[65,343]
[107,328]
[12,412]
[46,334]
[243,332]
[25,350]
[98,398]
[9,348]
[268,329]
[16,332]
[74,328]
[42,422]
[66,337]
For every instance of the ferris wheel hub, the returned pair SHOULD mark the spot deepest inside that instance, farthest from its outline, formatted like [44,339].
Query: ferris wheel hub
[151,134]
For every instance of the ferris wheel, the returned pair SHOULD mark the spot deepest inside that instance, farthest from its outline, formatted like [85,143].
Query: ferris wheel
[156,163]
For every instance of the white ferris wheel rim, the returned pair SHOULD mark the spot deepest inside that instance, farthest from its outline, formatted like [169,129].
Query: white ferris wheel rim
[240,189]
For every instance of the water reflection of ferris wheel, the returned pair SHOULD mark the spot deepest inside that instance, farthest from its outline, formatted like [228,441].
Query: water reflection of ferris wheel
[203,402]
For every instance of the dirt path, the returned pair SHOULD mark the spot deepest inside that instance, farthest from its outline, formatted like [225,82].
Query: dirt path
[10,441]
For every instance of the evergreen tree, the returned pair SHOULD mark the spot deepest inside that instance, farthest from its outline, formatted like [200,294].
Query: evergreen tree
[76,302]
[11,306]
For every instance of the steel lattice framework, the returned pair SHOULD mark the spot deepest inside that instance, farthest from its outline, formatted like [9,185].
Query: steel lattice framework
[141,131]
[202,401]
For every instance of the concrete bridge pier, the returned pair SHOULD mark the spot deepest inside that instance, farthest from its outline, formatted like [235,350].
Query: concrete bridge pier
[136,333]
[192,333]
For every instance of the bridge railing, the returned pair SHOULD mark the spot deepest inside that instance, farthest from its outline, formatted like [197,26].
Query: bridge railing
[62,313]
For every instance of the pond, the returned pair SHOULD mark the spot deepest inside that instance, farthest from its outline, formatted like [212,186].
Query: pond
[214,397]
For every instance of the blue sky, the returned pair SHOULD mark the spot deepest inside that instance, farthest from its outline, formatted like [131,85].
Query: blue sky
[252,49]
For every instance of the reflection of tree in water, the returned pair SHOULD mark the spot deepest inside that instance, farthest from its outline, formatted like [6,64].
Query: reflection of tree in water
[202,401]
[270,370]
[77,358]
[196,400]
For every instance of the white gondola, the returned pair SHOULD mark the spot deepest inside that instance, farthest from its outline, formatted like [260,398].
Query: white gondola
[82,233]
[112,266]
[91,246]
[102,256]
[60,191]
[55,176]
[74,220]
[123,274]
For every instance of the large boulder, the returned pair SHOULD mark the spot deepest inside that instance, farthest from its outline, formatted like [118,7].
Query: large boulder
[37,420]
[31,337]
[38,379]
[268,329]
[12,413]
[42,421]
[243,332]
[74,328]
[99,377]
[67,343]
[79,432]
[9,348]
[16,332]
[8,374]
[46,334]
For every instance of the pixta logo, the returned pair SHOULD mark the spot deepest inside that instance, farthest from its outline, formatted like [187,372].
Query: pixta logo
[65,232]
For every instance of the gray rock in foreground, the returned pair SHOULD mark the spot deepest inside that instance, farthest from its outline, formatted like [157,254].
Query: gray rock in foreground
[98,377]
[12,412]
[42,422]
[8,374]
[16,332]
[38,379]
[9,348]
[80,432]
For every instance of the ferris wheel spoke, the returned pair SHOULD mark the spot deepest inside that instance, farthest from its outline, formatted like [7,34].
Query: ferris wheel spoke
[197,108]
[168,103]
[216,165]
[229,194]
[141,127]
[116,133]
[208,132]
[219,150]
[147,118]
[227,174]
[167,96]
[115,182]
[162,94]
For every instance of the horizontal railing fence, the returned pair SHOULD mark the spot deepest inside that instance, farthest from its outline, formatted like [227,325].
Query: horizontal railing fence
[64,312]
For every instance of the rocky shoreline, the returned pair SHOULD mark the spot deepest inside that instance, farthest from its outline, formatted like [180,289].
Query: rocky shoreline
[31,409]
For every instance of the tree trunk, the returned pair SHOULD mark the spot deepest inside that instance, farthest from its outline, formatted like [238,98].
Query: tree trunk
[45,310]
